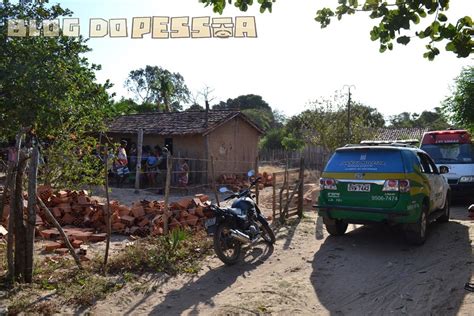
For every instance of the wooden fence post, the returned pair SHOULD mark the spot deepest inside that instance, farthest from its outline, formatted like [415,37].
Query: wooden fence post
[257,189]
[274,195]
[107,209]
[169,165]
[139,160]
[31,221]
[213,181]
[301,189]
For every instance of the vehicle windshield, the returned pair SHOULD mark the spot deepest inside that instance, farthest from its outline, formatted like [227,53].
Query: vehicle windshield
[450,153]
[366,160]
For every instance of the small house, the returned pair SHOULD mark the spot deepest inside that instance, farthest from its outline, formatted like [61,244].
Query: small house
[230,138]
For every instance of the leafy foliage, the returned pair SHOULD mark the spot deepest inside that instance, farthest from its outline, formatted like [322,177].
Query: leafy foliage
[219,5]
[427,119]
[326,123]
[393,19]
[154,84]
[460,105]
[48,87]
[253,106]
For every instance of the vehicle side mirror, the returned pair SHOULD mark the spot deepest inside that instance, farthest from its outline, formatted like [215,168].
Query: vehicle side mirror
[443,169]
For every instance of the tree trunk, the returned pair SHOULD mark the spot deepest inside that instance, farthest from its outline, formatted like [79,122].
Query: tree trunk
[31,223]
[20,229]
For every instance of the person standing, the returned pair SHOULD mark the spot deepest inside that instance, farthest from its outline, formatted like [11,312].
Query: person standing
[121,164]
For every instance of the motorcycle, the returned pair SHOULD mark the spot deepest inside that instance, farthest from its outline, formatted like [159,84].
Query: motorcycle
[238,225]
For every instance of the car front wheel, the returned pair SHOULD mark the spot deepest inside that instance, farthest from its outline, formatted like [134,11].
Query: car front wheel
[446,211]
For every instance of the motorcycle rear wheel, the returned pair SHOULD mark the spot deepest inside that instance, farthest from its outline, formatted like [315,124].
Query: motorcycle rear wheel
[224,243]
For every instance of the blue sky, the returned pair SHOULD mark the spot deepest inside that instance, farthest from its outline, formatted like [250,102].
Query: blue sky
[292,62]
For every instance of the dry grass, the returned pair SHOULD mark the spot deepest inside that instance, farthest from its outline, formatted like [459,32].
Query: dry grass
[177,253]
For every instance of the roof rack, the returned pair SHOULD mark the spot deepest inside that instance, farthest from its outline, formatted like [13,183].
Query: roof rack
[398,142]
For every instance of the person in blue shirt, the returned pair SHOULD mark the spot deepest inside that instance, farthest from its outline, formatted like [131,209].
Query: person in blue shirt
[152,163]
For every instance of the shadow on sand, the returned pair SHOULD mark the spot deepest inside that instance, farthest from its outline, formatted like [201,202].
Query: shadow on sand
[202,289]
[372,271]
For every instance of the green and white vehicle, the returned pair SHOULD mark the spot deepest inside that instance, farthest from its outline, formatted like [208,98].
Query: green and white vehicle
[394,184]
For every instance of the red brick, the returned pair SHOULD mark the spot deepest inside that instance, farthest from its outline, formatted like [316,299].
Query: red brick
[192,220]
[98,237]
[127,220]
[202,197]
[49,233]
[118,226]
[84,236]
[76,243]
[144,222]
[83,200]
[67,219]
[138,211]
[61,251]
[57,212]
[51,246]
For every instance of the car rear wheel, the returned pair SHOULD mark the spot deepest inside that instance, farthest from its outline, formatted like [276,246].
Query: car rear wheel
[416,233]
[337,228]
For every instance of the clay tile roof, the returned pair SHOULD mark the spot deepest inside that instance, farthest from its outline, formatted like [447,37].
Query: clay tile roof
[175,123]
[398,133]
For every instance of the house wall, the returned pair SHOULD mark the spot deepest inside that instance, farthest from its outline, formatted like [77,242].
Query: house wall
[234,147]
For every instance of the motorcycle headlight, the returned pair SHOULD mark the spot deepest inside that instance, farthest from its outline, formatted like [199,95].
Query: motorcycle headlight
[467,179]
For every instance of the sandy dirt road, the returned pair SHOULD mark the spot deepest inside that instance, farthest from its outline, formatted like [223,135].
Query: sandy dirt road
[369,271]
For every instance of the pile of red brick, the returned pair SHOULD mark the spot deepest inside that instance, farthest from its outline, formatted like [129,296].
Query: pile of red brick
[237,182]
[84,218]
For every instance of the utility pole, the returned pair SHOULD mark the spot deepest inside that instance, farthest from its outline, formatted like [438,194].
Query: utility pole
[349,134]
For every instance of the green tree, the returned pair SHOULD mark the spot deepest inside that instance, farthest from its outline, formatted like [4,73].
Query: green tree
[394,20]
[326,123]
[460,105]
[433,120]
[253,106]
[154,84]
[48,91]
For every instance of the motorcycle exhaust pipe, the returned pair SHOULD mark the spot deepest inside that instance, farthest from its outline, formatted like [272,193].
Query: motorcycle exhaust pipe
[240,236]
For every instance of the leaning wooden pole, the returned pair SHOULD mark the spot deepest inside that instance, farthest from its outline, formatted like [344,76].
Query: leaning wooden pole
[169,165]
[31,222]
[55,223]
[107,207]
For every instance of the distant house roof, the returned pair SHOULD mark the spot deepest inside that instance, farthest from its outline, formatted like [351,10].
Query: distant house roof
[176,123]
[398,133]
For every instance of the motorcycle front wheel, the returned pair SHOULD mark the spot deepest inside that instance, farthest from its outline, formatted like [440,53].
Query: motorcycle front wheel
[227,248]
[266,232]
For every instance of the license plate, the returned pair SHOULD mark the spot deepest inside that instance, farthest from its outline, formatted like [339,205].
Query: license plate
[358,187]
[210,222]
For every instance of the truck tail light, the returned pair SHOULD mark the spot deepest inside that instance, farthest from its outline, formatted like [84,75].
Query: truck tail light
[327,184]
[404,186]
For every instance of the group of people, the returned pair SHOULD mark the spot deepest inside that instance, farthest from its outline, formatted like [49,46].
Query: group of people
[154,164]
